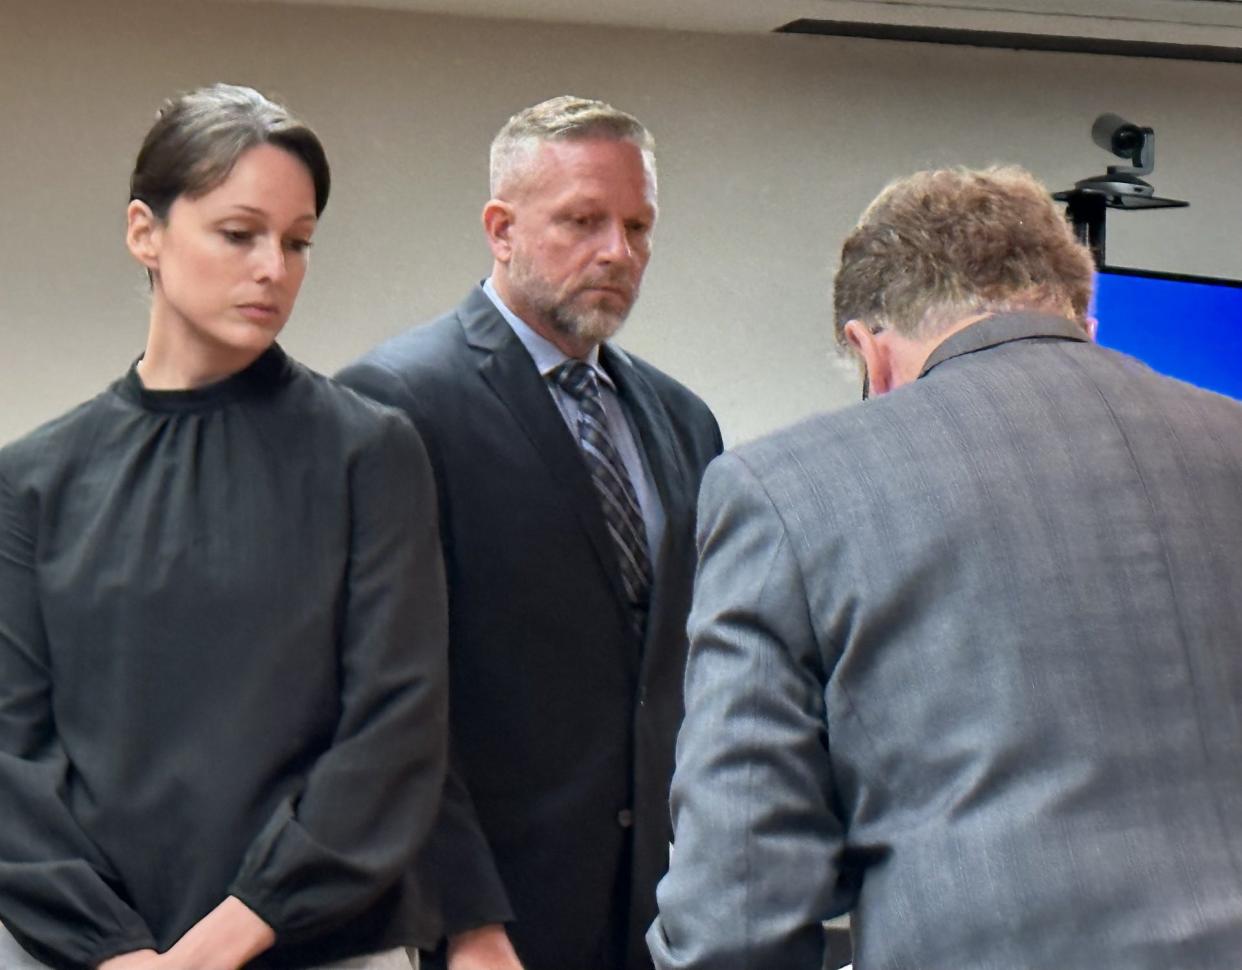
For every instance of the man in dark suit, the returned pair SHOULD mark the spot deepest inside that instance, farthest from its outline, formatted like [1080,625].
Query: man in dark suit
[567,472]
[966,658]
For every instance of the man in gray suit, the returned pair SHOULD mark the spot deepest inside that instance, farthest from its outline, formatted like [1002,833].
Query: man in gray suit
[966,659]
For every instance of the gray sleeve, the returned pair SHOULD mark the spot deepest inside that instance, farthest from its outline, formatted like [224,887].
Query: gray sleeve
[756,839]
[55,886]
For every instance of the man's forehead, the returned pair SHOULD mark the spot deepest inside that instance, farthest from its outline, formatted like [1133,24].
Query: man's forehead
[589,165]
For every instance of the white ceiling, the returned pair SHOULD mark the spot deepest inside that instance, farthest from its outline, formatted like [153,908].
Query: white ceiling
[1195,22]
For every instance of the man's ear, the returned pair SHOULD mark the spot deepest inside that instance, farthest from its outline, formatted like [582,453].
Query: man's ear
[875,353]
[498,220]
[142,234]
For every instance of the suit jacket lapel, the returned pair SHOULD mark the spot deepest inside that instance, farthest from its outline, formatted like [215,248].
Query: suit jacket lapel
[653,430]
[655,436]
[676,496]
[507,368]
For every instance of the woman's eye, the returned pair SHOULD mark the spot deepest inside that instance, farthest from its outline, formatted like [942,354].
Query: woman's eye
[236,235]
[297,245]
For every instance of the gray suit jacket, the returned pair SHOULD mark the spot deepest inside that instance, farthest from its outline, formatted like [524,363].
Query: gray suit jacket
[967,660]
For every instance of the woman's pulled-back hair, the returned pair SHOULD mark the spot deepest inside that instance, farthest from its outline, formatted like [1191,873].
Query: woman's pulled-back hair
[198,137]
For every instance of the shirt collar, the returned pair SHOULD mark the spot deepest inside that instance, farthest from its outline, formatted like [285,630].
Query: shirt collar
[546,355]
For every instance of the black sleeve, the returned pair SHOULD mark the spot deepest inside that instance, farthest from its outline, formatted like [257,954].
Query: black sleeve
[457,859]
[458,862]
[370,800]
[56,887]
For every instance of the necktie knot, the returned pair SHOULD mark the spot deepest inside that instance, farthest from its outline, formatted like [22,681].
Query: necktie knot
[577,379]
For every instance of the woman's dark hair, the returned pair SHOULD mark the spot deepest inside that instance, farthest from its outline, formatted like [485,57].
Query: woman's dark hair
[198,137]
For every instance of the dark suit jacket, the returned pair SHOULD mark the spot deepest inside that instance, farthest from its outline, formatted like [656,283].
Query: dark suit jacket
[967,659]
[563,723]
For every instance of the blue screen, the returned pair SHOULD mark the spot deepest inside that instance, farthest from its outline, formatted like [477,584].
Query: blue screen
[1186,327]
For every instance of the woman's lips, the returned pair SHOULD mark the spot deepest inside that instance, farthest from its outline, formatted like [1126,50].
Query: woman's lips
[259,312]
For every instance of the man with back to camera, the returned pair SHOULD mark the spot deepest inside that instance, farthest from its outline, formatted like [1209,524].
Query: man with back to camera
[567,472]
[965,658]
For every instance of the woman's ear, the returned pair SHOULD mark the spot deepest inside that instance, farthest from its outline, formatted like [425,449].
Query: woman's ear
[142,234]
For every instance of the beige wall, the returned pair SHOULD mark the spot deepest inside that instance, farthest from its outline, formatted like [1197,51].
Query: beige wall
[769,147]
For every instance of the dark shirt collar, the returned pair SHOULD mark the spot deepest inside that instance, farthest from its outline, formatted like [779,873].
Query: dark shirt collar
[1001,328]
[271,369]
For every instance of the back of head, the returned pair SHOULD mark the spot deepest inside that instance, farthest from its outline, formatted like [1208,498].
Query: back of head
[564,118]
[198,137]
[940,246]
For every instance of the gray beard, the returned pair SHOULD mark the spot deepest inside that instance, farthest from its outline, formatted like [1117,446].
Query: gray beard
[594,325]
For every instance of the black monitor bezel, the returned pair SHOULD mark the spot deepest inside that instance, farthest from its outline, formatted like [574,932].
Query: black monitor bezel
[1156,274]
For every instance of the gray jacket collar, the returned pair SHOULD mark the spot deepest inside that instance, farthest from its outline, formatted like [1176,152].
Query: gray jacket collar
[1001,328]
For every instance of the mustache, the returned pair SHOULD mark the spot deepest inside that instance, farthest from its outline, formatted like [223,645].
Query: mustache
[619,280]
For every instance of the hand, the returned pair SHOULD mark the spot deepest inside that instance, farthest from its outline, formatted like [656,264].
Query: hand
[224,939]
[133,960]
[487,948]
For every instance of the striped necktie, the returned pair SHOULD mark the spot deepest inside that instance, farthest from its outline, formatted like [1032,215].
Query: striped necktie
[616,492]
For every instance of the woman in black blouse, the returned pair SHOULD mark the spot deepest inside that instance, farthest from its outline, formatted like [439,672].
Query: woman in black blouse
[222,615]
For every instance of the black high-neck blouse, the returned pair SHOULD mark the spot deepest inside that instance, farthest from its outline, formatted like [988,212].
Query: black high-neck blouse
[222,668]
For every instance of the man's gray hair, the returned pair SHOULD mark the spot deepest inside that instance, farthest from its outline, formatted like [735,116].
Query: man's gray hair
[565,118]
[939,246]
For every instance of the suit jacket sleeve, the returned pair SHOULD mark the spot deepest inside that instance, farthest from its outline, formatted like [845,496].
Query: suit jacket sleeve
[755,866]
[456,860]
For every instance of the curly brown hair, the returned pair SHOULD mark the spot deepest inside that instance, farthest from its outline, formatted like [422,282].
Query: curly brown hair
[939,246]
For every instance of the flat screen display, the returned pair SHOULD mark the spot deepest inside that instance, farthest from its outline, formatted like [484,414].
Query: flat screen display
[1189,327]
